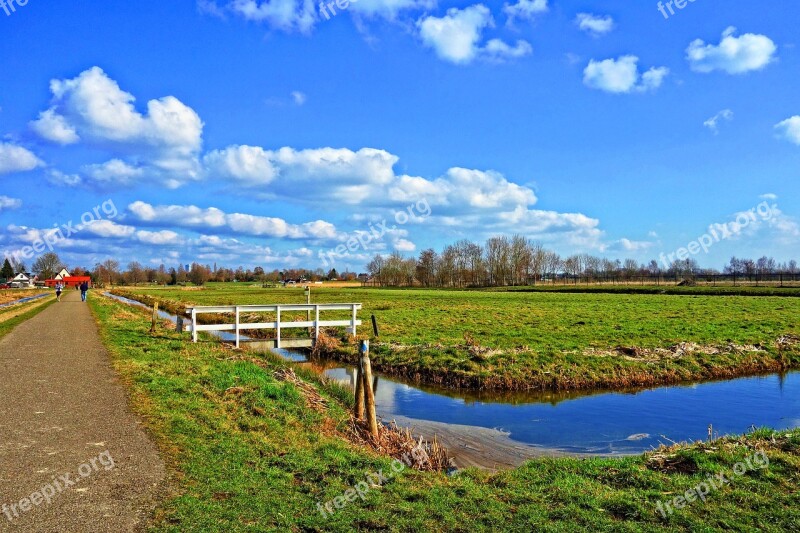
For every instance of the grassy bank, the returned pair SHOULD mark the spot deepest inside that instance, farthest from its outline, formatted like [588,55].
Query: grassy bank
[551,340]
[247,453]
[12,316]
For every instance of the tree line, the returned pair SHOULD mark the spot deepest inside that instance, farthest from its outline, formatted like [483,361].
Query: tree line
[516,260]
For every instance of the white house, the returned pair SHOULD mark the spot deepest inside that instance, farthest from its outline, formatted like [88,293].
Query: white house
[61,275]
[24,280]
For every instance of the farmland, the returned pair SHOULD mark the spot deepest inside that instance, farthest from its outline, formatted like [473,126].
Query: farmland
[550,339]
[246,452]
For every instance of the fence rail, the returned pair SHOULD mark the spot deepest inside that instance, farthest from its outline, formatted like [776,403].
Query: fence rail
[238,326]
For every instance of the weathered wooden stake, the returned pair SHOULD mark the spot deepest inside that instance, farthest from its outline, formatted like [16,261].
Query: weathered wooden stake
[359,409]
[155,317]
[369,394]
[179,324]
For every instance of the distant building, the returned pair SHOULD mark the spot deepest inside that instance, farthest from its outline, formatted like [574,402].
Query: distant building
[65,279]
[24,280]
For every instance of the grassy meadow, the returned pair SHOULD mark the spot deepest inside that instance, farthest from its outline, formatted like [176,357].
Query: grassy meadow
[549,339]
[247,453]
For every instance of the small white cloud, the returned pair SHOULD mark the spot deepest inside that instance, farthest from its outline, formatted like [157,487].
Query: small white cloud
[457,36]
[498,50]
[299,98]
[713,122]
[114,171]
[9,203]
[789,129]
[525,9]
[622,76]
[404,245]
[60,178]
[54,127]
[769,196]
[159,237]
[734,55]
[15,158]
[594,24]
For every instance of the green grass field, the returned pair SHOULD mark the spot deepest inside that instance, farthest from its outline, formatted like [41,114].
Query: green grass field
[247,454]
[550,339]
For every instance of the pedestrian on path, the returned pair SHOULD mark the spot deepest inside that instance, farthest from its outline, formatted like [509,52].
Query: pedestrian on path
[59,287]
[84,288]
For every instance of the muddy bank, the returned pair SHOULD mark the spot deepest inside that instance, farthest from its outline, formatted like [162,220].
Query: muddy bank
[472,446]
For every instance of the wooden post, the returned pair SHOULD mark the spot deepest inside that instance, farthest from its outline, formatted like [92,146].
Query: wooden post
[369,394]
[353,323]
[179,324]
[194,325]
[359,408]
[316,322]
[375,326]
[308,302]
[155,318]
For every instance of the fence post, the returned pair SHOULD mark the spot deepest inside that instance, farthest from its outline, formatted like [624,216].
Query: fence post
[358,411]
[237,326]
[194,325]
[155,318]
[353,322]
[316,321]
[278,327]
[369,394]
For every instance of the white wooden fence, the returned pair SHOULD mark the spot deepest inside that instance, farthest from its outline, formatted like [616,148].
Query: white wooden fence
[277,325]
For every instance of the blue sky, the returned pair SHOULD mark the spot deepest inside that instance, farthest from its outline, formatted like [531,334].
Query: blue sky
[262,134]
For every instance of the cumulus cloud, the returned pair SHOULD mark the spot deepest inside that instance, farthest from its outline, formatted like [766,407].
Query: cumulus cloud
[14,158]
[9,203]
[525,9]
[789,129]
[94,109]
[190,216]
[54,127]
[338,173]
[57,177]
[115,171]
[734,55]
[713,122]
[622,76]
[456,37]
[594,24]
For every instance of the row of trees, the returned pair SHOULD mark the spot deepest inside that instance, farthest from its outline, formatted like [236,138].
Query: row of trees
[501,261]
[504,261]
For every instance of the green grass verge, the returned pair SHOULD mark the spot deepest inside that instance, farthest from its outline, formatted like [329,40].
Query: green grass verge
[33,308]
[548,340]
[260,460]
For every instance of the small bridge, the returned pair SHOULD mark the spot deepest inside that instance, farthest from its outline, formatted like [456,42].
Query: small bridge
[311,310]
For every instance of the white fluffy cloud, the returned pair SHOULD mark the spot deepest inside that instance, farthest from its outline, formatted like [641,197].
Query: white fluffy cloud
[734,55]
[525,9]
[594,24]
[93,108]
[789,129]
[14,158]
[456,37]
[189,216]
[331,173]
[9,203]
[622,75]
[115,171]
[54,127]
[286,15]
[389,9]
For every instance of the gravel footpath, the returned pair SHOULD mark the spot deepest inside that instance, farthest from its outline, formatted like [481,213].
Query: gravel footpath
[72,455]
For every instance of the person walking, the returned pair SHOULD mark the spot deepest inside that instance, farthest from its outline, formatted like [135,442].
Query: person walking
[84,288]
[59,287]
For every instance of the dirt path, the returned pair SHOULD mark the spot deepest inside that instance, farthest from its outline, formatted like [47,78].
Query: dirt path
[65,429]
